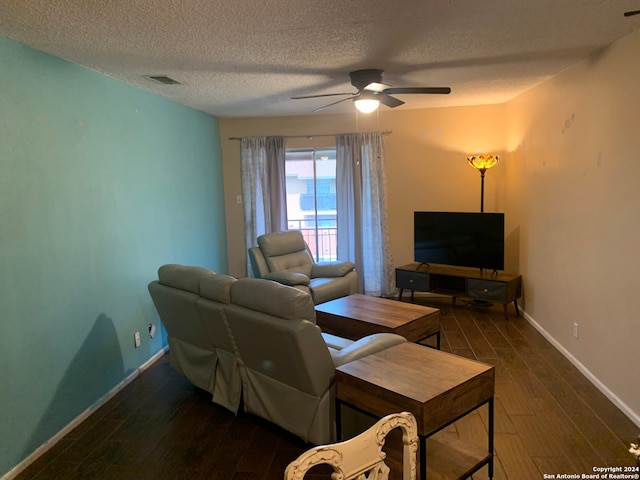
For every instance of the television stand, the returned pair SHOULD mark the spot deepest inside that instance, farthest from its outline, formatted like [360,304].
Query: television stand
[473,283]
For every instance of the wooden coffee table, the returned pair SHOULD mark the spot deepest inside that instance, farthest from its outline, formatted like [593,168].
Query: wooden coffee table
[437,387]
[357,316]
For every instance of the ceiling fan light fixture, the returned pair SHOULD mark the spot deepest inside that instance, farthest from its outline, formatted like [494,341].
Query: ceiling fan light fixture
[376,87]
[366,105]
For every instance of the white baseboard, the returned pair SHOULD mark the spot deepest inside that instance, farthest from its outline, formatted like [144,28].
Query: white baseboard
[42,449]
[633,416]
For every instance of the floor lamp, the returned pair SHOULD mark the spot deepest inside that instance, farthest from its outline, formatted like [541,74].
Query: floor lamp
[482,163]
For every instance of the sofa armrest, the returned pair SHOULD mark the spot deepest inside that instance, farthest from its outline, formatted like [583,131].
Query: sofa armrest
[288,278]
[331,269]
[334,342]
[365,346]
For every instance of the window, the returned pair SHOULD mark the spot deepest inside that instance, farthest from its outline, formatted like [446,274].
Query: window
[311,199]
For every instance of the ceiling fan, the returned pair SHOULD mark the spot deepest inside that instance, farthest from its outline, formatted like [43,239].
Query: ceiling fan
[631,13]
[372,92]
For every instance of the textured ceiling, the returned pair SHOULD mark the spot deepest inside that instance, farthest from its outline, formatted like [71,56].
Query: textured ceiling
[240,59]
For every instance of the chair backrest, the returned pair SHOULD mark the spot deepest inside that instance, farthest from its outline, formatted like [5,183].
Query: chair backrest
[276,337]
[215,295]
[287,370]
[361,457]
[175,295]
[286,251]
[190,302]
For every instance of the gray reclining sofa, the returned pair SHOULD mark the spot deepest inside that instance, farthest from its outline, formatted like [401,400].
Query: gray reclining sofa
[256,340]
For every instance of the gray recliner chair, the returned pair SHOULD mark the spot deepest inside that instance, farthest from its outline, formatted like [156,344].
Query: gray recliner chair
[285,258]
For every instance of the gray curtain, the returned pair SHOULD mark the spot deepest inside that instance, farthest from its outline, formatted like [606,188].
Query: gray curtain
[362,210]
[263,188]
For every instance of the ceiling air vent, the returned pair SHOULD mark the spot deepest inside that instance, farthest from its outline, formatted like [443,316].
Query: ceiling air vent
[162,79]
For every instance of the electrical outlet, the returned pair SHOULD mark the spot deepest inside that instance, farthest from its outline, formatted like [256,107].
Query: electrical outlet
[575,330]
[152,330]
[136,339]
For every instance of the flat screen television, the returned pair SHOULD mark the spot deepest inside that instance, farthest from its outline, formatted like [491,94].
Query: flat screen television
[459,238]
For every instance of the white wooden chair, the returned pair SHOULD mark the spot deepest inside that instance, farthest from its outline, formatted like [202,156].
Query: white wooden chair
[361,457]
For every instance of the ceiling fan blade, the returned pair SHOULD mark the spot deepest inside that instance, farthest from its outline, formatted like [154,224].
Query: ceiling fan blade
[388,100]
[321,95]
[632,13]
[428,90]
[331,104]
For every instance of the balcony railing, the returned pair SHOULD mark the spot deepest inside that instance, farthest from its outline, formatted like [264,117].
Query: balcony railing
[322,241]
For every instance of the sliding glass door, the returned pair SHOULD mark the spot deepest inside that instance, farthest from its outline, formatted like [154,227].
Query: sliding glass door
[311,199]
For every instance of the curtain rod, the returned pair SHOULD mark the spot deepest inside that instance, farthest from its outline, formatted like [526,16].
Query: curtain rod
[307,136]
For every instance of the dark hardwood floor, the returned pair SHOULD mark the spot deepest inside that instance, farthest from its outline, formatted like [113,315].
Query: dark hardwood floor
[549,419]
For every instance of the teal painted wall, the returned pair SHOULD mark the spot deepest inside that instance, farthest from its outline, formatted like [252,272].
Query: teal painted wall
[100,184]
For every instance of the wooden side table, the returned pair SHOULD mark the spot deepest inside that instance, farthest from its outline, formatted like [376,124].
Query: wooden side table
[437,387]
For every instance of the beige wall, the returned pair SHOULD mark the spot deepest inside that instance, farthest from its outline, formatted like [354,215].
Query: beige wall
[568,182]
[576,149]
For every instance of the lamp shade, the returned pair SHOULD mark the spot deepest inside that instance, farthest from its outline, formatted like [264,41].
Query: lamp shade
[366,105]
[483,162]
